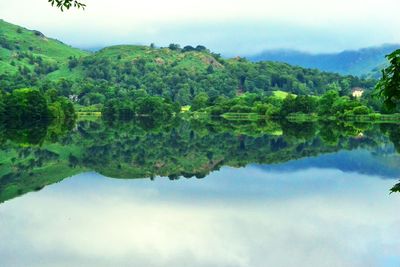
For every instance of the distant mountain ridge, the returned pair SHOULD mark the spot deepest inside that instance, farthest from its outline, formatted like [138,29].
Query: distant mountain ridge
[363,62]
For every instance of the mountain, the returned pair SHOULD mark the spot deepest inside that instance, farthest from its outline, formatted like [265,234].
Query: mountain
[29,59]
[366,61]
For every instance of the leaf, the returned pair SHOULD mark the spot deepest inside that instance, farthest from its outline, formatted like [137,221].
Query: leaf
[395,189]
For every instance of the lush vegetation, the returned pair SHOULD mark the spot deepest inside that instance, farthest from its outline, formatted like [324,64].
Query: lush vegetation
[179,75]
[38,154]
[329,106]
[67,4]
[389,85]
[22,106]
[134,81]
[141,105]
[30,55]
[29,59]
[303,112]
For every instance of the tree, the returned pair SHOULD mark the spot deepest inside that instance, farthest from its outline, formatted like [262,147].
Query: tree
[1,105]
[200,101]
[174,47]
[201,48]
[288,105]
[67,4]
[188,48]
[389,85]
[26,104]
[326,102]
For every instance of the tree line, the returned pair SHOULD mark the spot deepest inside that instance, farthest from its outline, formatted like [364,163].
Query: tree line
[25,105]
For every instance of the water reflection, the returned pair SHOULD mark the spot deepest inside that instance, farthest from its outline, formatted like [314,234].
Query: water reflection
[33,158]
[234,217]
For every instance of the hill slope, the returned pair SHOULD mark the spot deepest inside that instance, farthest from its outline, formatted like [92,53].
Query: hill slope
[22,48]
[181,75]
[365,61]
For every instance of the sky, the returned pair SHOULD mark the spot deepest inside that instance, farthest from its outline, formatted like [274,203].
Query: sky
[230,27]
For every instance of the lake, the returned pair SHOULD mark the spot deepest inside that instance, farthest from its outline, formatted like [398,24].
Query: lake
[200,193]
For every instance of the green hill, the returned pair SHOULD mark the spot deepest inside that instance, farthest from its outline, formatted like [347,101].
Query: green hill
[29,59]
[22,48]
[180,75]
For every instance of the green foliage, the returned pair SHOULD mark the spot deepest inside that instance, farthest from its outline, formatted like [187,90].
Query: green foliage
[29,59]
[189,76]
[328,106]
[67,4]
[188,148]
[389,85]
[361,110]
[299,104]
[200,101]
[326,102]
[26,56]
[25,104]
[395,189]
[154,107]
[174,47]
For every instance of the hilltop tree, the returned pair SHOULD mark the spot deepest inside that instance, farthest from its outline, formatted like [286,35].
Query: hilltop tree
[67,4]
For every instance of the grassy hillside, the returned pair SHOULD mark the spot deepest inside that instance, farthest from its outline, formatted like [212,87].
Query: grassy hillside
[21,48]
[367,61]
[122,56]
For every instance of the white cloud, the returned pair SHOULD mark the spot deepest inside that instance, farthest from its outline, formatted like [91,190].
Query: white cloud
[229,26]
[307,218]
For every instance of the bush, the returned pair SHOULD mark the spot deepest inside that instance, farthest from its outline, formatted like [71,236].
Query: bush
[361,110]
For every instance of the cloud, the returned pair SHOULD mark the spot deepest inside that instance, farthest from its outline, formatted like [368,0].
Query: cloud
[227,26]
[92,221]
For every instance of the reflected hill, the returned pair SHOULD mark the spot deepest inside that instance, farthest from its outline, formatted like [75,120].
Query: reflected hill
[371,162]
[184,147]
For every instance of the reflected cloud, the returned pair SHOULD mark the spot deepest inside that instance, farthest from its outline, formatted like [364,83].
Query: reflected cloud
[234,217]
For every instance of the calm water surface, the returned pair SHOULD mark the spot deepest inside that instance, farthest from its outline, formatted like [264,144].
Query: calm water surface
[330,209]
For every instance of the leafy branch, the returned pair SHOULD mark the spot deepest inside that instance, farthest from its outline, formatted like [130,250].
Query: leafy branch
[389,86]
[67,4]
[395,188]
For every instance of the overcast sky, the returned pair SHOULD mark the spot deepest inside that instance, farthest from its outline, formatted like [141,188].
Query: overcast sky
[231,27]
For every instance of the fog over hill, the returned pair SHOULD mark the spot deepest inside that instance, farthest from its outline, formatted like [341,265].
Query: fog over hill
[365,61]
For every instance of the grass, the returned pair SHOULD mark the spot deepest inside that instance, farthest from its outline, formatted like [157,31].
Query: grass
[376,118]
[370,118]
[120,54]
[185,108]
[280,94]
[24,40]
[89,113]
[242,116]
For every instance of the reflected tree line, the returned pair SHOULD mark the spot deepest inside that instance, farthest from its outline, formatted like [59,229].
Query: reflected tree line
[34,155]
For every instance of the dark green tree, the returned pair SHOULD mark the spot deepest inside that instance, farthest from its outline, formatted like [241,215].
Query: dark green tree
[25,105]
